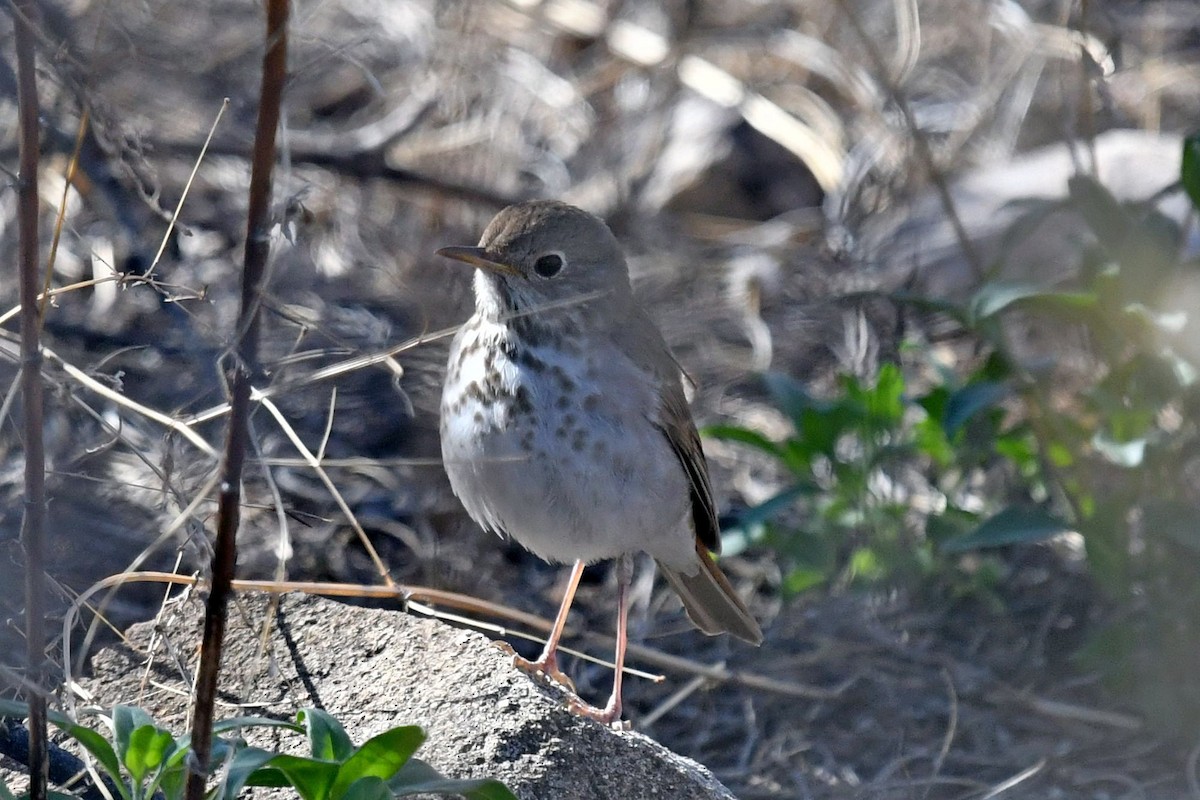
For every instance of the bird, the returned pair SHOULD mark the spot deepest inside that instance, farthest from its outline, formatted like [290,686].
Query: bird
[564,424]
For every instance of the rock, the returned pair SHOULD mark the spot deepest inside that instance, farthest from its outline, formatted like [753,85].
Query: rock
[1133,165]
[375,669]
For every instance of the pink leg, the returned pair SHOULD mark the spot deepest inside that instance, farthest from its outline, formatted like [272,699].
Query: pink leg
[612,710]
[547,662]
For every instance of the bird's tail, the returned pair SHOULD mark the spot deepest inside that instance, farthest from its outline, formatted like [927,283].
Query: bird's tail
[710,600]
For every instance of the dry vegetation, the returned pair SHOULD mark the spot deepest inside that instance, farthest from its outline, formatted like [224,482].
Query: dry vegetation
[407,123]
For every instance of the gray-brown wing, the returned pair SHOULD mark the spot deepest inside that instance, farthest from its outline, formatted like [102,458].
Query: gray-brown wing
[676,424]
[637,336]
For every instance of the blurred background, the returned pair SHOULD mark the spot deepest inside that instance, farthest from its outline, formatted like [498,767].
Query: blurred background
[930,267]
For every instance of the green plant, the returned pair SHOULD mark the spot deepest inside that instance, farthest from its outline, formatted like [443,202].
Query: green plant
[141,760]
[856,521]
[1109,449]
[382,767]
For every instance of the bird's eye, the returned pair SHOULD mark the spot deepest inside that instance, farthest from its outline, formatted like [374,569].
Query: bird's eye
[549,265]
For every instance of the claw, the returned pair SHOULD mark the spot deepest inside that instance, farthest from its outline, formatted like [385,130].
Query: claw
[546,668]
[609,715]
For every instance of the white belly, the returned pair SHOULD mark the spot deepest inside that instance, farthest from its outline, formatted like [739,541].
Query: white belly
[569,462]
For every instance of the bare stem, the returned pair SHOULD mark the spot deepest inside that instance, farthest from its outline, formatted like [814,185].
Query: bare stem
[33,525]
[242,371]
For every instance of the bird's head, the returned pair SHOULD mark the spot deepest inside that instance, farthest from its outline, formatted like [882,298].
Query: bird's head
[543,255]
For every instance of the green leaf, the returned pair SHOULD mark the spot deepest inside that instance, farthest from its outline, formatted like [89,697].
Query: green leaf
[171,782]
[998,296]
[996,368]
[756,516]
[1103,213]
[1013,525]
[929,439]
[1189,171]
[865,564]
[326,736]
[101,750]
[184,743]
[13,708]
[148,746]
[736,433]
[935,401]
[312,779]
[885,400]
[819,431]
[969,401]
[1106,540]
[368,788]
[236,723]
[417,777]
[801,579]
[994,297]
[125,720]
[246,762]
[951,523]
[788,394]
[89,739]
[380,756]
[1059,455]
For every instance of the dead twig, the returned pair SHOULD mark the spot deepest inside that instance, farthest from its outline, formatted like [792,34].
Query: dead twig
[951,730]
[314,461]
[187,186]
[34,520]
[244,368]
[1008,783]
[1070,711]
[99,388]
[420,599]
[72,168]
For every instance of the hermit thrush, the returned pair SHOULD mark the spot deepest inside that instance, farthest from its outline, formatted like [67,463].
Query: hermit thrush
[564,422]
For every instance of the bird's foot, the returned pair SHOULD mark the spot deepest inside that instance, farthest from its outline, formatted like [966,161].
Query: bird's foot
[609,715]
[544,667]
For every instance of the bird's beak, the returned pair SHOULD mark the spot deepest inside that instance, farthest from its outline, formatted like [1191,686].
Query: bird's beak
[477,257]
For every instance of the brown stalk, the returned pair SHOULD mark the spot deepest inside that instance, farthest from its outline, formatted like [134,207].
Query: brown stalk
[243,369]
[33,523]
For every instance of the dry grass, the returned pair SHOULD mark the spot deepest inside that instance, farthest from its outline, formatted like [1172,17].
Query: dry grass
[406,124]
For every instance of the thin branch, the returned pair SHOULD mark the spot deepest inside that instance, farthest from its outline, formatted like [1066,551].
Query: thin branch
[187,186]
[315,463]
[99,388]
[33,524]
[72,168]
[419,599]
[948,739]
[244,368]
